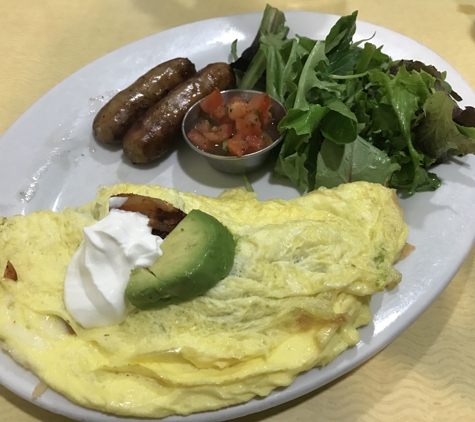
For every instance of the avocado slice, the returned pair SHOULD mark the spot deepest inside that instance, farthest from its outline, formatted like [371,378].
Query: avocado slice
[197,254]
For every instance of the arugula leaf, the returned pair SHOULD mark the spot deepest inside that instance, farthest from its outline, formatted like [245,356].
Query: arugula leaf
[403,179]
[292,157]
[275,74]
[404,93]
[352,162]
[304,122]
[308,77]
[341,35]
[295,151]
[336,122]
[340,123]
[253,59]
[365,58]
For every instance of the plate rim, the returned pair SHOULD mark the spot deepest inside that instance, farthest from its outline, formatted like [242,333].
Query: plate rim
[273,401]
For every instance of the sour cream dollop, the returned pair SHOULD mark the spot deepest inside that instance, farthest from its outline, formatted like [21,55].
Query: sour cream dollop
[100,269]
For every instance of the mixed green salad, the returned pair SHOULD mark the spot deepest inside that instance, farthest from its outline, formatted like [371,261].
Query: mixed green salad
[354,113]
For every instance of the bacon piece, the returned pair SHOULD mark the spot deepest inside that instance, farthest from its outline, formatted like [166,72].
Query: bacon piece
[10,272]
[163,216]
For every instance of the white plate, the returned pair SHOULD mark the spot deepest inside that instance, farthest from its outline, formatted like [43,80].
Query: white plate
[49,159]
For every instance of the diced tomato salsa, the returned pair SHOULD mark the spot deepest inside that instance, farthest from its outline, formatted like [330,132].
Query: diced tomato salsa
[236,128]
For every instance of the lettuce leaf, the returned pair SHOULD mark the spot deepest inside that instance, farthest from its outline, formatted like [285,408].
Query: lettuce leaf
[356,114]
[437,135]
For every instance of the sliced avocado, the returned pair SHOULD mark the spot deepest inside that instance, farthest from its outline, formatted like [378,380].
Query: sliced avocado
[197,254]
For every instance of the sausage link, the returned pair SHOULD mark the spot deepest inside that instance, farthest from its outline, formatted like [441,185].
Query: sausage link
[158,130]
[120,113]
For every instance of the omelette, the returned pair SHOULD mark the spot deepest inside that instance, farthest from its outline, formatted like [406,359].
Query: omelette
[303,275]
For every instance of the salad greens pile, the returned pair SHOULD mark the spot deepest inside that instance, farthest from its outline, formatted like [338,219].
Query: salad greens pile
[354,113]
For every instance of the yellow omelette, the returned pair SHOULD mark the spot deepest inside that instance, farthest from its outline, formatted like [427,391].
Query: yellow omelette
[303,276]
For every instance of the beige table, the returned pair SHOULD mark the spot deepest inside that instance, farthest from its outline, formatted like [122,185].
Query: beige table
[428,373]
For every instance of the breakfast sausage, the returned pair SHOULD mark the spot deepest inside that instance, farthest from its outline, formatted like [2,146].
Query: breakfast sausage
[158,130]
[119,114]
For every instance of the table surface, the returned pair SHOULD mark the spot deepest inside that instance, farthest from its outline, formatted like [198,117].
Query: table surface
[428,372]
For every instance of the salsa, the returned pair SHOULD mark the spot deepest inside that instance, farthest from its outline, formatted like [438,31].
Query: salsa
[236,128]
